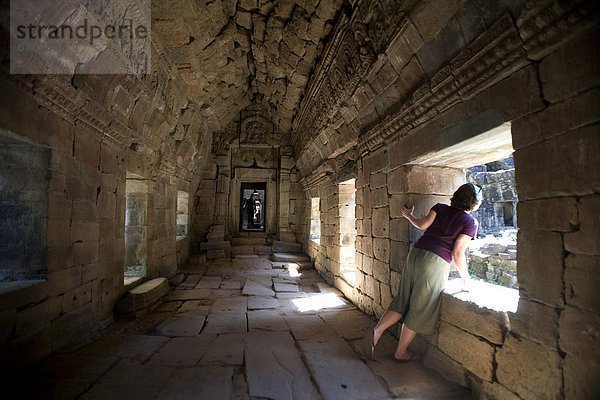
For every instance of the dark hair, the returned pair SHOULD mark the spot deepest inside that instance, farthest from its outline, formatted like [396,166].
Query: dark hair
[466,197]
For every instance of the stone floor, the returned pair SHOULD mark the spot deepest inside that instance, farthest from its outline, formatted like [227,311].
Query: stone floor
[245,328]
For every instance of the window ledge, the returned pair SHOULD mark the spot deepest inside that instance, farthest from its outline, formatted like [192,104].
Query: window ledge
[485,295]
[17,294]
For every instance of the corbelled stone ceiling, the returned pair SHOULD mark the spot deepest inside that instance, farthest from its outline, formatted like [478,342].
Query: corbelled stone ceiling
[234,52]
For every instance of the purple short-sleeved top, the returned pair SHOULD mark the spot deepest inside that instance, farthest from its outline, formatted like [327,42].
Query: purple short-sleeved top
[449,222]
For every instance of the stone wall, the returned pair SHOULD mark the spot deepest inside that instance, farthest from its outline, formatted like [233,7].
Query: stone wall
[95,131]
[551,103]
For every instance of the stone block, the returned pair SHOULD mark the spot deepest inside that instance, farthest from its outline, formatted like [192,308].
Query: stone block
[37,317]
[473,319]
[434,180]
[586,240]
[399,229]
[404,46]
[494,391]
[582,280]
[375,162]
[526,131]
[560,214]
[535,321]
[379,197]
[430,18]
[581,378]
[381,222]
[540,168]
[381,249]
[475,354]
[540,257]
[381,271]
[64,280]
[398,253]
[445,366]
[578,333]
[143,296]
[561,77]
[570,114]
[377,180]
[530,369]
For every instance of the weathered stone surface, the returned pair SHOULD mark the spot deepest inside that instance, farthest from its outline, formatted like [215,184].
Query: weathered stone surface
[580,377]
[226,349]
[582,278]
[473,319]
[182,295]
[252,288]
[445,365]
[261,303]
[350,324]
[337,372]
[535,321]
[129,379]
[549,214]
[285,287]
[578,333]
[275,368]
[134,347]
[143,295]
[474,353]
[225,322]
[585,240]
[266,320]
[234,304]
[182,351]
[182,326]
[531,370]
[540,256]
[200,382]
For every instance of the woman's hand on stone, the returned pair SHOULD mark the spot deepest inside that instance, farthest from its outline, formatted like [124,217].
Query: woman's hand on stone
[406,211]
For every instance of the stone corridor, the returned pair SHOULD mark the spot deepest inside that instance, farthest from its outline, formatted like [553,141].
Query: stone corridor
[241,328]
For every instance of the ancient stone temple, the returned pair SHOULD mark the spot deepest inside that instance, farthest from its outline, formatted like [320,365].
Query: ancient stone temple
[219,216]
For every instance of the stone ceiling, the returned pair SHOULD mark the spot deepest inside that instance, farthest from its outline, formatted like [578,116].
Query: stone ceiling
[230,52]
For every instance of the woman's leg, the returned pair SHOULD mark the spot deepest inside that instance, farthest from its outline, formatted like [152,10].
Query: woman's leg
[388,319]
[406,337]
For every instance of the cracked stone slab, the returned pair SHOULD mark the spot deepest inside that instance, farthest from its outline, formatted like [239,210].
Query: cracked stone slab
[226,349]
[192,305]
[275,369]
[130,379]
[409,379]
[266,320]
[261,303]
[252,288]
[182,295]
[339,371]
[199,383]
[349,324]
[231,284]
[190,282]
[180,326]
[136,347]
[307,326]
[209,282]
[225,322]
[285,287]
[229,304]
[291,295]
[183,351]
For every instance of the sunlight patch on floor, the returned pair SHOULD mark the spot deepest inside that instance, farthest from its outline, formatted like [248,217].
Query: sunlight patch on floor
[318,302]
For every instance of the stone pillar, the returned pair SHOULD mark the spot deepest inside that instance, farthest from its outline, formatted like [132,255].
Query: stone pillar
[285,232]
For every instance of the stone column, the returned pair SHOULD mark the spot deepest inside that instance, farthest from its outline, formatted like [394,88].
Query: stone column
[285,232]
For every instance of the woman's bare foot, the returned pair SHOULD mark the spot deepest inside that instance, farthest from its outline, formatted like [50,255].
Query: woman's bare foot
[408,355]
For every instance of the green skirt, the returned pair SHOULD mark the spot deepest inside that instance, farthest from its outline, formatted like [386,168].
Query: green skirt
[419,296]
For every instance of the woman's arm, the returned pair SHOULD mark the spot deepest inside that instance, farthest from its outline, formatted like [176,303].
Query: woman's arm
[459,257]
[421,223]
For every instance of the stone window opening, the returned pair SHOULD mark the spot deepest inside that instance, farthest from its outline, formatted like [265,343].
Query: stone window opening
[315,219]
[136,228]
[347,226]
[491,148]
[183,214]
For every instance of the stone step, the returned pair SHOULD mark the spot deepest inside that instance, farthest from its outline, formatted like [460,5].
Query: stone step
[143,296]
[242,241]
[286,247]
[291,257]
[242,249]
[303,265]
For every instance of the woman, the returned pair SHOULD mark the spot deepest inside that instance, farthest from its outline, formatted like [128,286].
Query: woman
[448,230]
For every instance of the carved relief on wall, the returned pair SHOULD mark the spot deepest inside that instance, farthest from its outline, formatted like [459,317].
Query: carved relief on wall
[255,129]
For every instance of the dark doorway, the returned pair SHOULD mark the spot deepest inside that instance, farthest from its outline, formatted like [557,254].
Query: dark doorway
[253,206]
